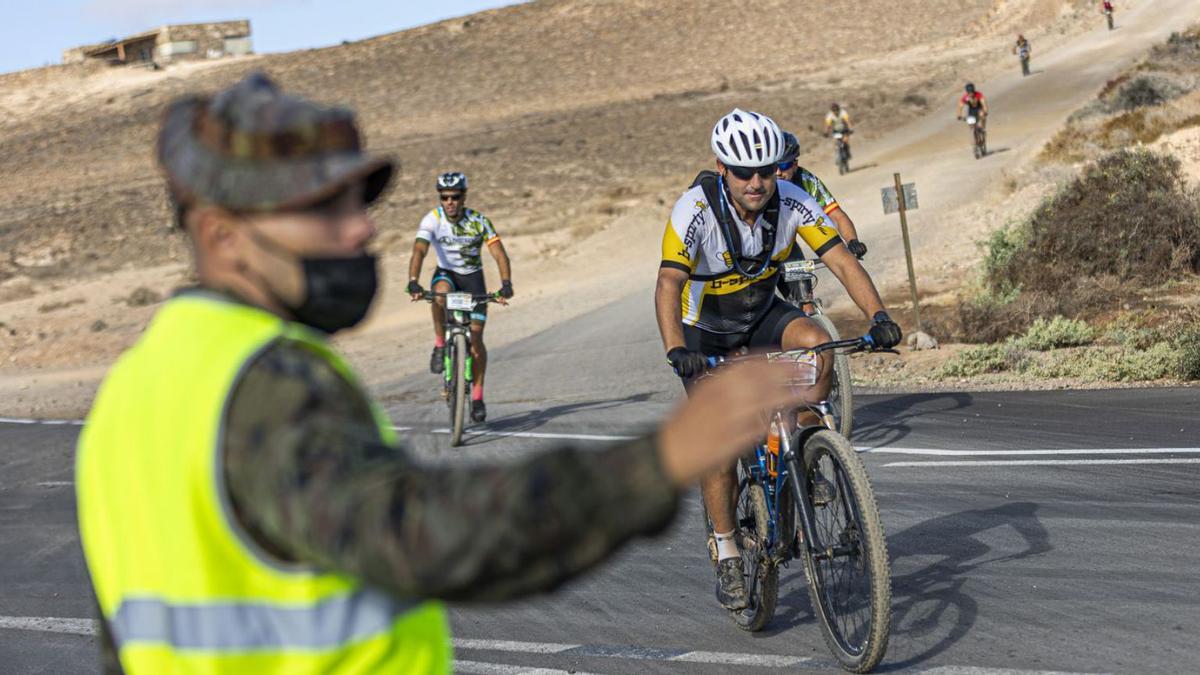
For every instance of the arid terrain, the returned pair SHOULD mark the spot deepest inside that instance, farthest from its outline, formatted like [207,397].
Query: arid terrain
[578,122]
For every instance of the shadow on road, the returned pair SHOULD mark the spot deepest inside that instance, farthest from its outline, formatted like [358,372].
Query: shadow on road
[864,167]
[533,419]
[887,421]
[997,151]
[930,609]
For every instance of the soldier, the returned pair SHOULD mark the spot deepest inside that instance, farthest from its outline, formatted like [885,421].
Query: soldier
[244,506]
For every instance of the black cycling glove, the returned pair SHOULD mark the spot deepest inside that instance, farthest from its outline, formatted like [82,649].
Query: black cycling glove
[414,287]
[506,289]
[857,248]
[885,333]
[687,363]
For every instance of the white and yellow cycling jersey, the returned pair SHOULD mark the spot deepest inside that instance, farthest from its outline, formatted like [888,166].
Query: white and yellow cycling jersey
[840,120]
[716,297]
[458,244]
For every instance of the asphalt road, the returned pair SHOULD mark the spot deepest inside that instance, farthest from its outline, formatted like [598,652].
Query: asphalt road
[1047,531]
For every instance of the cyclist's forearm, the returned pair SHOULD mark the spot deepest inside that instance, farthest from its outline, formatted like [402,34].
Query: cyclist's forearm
[420,248]
[855,279]
[502,263]
[845,226]
[668,308]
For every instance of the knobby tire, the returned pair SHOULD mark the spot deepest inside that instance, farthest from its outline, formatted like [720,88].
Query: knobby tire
[859,648]
[458,394]
[841,399]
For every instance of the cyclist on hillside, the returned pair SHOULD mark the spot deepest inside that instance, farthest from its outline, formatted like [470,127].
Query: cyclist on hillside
[838,120]
[715,295]
[457,234]
[790,170]
[975,104]
[1023,50]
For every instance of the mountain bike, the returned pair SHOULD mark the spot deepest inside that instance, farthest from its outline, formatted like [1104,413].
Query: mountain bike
[804,493]
[1023,53]
[458,364]
[841,149]
[800,280]
[978,135]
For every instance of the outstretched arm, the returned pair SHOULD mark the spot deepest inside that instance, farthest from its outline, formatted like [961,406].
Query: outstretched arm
[668,306]
[496,248]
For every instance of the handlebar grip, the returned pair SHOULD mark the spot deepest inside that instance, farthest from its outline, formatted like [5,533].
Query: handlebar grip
[714,361]
[869,340]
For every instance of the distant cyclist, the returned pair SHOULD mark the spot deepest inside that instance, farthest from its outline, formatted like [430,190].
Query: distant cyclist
[838,120]
[975,104]
[1106,8]
[1023,51]
[721,252]
[457,234]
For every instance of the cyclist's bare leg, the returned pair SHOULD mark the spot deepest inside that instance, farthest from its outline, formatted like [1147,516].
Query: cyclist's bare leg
[719,489]
[439,311]
[478,353]
[801,333]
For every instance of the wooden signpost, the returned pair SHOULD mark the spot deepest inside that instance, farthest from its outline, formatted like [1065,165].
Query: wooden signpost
[901,198]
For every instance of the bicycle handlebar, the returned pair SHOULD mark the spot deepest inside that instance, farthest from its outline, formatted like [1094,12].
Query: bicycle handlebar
[858,344]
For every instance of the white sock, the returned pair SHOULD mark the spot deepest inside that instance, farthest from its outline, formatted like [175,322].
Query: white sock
[726,546]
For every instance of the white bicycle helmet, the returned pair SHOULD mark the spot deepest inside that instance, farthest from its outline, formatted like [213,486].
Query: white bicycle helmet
[452,180]
[749,139]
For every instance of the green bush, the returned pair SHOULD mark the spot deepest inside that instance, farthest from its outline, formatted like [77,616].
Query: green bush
[1112,364]
[1056,333]
[982,359]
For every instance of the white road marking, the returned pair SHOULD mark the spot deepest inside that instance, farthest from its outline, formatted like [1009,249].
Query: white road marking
[49,624]
[55,483]
[512,646]
[89,627]
[532,434]
[1016,453]
[479,668]
[25,420]
[1046,462]
[727,659]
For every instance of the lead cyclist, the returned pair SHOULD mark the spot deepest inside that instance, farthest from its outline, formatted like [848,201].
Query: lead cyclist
[723,245]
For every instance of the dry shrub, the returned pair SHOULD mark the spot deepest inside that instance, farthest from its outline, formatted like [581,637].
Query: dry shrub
[1129,217]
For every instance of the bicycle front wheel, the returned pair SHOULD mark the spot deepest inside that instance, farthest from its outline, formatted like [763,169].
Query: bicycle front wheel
[458,392]
[845,557]
[840,398]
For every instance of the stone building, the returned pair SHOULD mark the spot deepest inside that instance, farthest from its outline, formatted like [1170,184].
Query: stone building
[178,42]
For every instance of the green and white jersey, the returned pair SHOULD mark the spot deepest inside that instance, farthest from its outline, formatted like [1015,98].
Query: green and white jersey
[458,244]
[813,186]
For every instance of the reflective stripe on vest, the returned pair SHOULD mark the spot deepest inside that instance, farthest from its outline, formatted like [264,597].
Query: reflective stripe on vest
[183,588]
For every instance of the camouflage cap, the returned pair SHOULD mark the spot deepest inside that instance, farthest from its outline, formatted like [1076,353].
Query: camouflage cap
[253,148]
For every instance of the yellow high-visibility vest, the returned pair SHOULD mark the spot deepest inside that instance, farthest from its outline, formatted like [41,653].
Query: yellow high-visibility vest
[182,586]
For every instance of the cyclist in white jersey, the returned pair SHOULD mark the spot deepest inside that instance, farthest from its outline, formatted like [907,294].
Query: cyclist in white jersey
[721,251]
[458,234]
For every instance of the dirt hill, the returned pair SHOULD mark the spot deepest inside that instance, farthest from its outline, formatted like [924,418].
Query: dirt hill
[577,121]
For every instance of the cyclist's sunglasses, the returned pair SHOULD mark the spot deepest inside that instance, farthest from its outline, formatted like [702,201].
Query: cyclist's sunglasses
[784,166]
[746,172]
[451,196]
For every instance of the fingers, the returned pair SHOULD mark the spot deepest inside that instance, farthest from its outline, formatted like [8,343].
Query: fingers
[724,416]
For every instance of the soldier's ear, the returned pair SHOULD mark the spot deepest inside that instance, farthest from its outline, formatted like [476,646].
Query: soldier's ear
[214,229]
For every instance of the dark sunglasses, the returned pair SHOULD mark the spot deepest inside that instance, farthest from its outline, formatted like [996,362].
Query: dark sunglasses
[451,197]
[746,172]
[784,166]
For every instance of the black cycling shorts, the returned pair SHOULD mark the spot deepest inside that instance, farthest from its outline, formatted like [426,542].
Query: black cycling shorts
[472,283]
[766,334]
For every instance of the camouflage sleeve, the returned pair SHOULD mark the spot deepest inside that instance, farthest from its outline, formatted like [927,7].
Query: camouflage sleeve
[311,480]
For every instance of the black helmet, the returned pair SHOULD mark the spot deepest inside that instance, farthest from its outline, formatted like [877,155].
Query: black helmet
[452,180]
[970,88]
[791,148]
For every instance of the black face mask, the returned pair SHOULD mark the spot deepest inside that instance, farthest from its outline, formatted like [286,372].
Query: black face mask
[337,291]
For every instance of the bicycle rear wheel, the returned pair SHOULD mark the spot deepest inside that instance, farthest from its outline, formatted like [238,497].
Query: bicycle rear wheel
[841,397]
[458,393]
[845,558]
[761,574]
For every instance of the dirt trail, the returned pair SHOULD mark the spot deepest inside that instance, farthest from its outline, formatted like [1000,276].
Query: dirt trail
[962,198]
[574,255]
